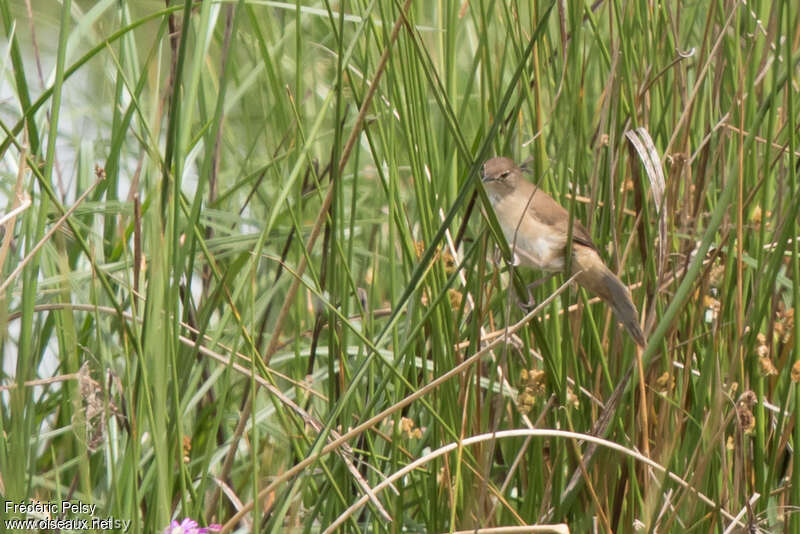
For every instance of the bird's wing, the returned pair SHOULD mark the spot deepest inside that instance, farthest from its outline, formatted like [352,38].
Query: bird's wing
[544,208]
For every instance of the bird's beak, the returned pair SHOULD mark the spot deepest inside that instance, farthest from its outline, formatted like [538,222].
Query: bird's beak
[485,178]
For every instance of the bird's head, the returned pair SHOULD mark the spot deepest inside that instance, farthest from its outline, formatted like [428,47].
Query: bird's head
[500,174]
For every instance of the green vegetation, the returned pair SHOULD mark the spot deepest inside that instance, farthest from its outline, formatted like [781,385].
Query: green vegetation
[253,269]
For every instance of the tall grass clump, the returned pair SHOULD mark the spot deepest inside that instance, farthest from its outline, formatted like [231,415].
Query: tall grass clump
[249,276]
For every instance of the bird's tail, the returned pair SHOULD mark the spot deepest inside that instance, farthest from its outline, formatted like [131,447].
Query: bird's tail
[623,307]
[596,277]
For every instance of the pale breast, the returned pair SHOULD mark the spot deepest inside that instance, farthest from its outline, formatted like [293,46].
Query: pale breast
[542,252]
[535,244]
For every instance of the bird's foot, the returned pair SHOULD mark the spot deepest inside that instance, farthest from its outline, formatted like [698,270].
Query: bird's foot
[530,304]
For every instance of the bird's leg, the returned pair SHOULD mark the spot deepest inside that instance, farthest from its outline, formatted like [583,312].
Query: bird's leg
[498,258]
[531,303]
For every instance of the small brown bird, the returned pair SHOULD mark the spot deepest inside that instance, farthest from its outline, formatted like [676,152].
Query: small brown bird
[536,227]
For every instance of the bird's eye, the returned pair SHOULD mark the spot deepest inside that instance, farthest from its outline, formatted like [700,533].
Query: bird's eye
[505,174]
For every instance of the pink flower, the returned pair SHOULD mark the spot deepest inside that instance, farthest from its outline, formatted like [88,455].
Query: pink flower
[189,526]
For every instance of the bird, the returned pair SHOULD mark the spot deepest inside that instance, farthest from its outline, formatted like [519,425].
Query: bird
[536,227]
